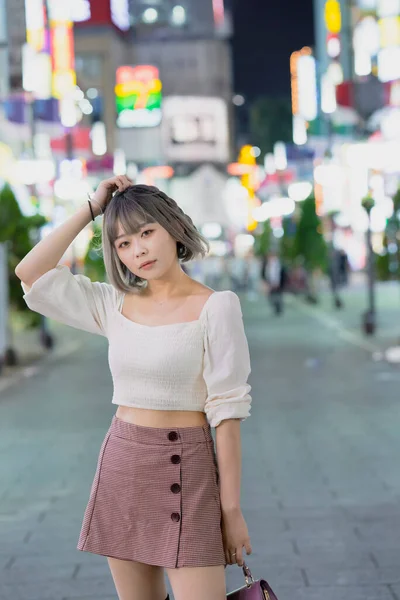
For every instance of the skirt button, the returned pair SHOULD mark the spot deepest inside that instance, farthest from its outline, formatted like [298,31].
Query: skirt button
[175,488]
[175,459]
[176,517]
[172,436]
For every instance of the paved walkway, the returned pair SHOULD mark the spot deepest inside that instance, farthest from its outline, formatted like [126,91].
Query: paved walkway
[321,481]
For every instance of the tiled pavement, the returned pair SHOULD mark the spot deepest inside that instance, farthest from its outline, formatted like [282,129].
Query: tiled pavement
[321,477]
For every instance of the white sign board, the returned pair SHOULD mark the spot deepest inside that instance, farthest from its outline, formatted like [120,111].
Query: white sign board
[195,129]
[120,14]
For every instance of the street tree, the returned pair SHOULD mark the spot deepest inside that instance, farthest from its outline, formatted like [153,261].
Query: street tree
[93,262]
[15,238]
[309,243]
[270,122]
[262,242]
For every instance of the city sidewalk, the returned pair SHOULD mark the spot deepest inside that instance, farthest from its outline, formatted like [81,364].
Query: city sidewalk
[347,322]
[31,353]
[320,480]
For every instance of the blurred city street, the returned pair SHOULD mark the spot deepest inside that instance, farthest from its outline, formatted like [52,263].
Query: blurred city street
[321,483]
[266,144]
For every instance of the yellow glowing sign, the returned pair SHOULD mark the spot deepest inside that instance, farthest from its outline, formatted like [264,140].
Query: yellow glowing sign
[7,162]
[35,24]
[333,16]
[389,29]
[63,58]
[246,156]
[248,181]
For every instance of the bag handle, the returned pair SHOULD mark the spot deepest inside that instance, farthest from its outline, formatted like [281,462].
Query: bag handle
[248,577]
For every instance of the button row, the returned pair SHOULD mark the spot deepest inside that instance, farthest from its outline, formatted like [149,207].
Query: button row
[175,487]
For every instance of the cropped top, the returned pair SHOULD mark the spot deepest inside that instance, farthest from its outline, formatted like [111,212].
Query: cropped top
[200,365]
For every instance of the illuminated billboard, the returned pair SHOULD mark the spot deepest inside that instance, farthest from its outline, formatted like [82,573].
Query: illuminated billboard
[101,12]
[195,129]
[138,96]
[304,92]
[63,58]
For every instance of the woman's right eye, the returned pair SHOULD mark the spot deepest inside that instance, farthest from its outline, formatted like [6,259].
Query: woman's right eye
[120,246]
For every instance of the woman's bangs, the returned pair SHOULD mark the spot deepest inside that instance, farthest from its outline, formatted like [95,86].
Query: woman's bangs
[132,218]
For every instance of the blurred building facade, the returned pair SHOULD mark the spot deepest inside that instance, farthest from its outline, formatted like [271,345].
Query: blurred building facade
[16,29]
[97,87]
[357,49]
[4,68]
[189,46]
[354,130]
[167,19]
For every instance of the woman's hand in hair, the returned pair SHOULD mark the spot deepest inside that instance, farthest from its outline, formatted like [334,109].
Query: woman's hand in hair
[107,187]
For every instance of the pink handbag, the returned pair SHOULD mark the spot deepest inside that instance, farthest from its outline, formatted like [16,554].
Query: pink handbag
[253,590]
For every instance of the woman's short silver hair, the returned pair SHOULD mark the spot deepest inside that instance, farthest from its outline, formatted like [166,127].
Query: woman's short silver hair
[137,206]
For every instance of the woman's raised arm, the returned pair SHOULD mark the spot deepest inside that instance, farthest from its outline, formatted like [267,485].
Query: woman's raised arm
[48,252]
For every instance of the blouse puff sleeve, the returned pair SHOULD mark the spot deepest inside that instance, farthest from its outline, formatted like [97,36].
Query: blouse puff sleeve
[72,299]
[226,360]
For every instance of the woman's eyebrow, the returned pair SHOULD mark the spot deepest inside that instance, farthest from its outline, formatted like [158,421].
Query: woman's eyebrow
[120,236]
[140,228]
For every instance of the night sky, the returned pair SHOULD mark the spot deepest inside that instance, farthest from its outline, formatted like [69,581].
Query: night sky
[266,32]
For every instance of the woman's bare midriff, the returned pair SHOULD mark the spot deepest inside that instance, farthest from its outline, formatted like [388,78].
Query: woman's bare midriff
[161,418]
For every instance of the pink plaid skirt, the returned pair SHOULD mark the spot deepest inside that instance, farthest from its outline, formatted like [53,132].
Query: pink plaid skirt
[155,498]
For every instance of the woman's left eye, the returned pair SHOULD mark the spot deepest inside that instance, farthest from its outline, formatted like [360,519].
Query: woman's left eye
[147,231]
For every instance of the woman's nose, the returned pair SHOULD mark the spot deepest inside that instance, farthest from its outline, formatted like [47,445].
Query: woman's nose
[139,249]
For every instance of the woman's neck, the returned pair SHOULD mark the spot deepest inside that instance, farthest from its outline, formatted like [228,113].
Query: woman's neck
[168,286]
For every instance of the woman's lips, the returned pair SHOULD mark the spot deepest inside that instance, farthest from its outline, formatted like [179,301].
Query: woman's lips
[148,265]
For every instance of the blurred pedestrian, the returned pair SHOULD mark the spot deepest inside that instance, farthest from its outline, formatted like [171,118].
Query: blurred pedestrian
[334,276]
[179,360]
[237,267]
[253,276]
[274,274]
[344,267]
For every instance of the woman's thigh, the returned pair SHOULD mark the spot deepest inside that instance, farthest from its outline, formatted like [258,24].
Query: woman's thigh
[198,583]
[137,581]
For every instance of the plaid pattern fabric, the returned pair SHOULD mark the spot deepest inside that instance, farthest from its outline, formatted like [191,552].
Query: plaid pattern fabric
[155,498]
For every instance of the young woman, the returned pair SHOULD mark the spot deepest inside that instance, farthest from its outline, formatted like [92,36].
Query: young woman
[162,499]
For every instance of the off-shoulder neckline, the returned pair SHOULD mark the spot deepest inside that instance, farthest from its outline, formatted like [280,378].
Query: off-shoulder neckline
[135,323]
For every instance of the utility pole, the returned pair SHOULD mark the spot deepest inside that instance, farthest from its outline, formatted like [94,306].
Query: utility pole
[369,317]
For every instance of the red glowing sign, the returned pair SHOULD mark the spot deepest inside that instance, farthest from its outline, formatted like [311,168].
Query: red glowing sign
[104,12]
[219,12]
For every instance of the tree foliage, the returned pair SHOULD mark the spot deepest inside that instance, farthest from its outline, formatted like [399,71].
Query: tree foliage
[388,261]
[263,240]
[16,231]
[270,122]
[287,246]
[309,242]
[396,202]
[93,262]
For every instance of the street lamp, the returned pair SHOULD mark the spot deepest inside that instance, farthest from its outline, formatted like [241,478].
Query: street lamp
[369,316]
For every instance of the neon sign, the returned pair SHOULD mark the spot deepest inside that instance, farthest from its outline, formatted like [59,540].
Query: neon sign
[219,12]
[138,96]
[333,16]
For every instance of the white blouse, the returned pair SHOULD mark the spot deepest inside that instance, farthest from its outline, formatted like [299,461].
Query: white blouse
[200,365]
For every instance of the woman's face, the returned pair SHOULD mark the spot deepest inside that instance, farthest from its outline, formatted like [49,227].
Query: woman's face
[148,254]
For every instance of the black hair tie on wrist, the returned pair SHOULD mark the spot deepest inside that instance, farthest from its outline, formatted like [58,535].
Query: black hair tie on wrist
[91,209]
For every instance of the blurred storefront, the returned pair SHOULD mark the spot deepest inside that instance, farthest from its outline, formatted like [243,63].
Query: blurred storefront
[98,87]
